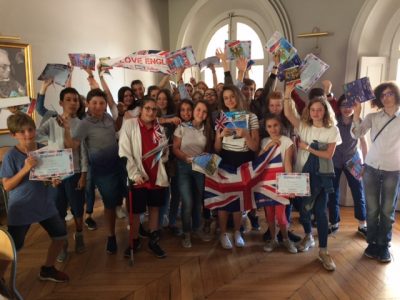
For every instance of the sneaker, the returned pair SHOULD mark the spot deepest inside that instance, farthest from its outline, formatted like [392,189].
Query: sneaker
[372,251]
[270,245]
[306,243]
[175,230]
[52,274]
[288,244]
[362,231]
[120,212]
[207,226]
[63,255]
[137,244]
[294,237]
[333,228]
[69,216]
[239,241]
[327,261]
[186,242]
[79,243]
[90,223]
[156,249]
[143,233]
[4,290]
[267,236]
[199,234]
[255,225]
[225,241]
[111,245]
[384,254]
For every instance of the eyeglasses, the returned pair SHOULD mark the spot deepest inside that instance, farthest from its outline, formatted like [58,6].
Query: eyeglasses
[210,94]
[147,108]
[5,67]
[388,94]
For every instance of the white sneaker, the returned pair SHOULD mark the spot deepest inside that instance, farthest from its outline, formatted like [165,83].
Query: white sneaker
[69,216]
[289,246]
[120,212]
[239,241]
[306,243]
[225,241]
[270,245]
[327,261]
[186,241]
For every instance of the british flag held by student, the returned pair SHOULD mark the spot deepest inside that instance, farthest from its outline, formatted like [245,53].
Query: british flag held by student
[220,122]
[254,183]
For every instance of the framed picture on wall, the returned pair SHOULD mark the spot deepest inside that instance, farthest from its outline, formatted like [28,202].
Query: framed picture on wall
[16,88]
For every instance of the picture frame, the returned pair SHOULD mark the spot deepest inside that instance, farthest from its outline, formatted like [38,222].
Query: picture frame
[16,78]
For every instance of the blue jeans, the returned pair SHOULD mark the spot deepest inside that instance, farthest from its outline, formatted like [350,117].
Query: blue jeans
[357,192]
[175,200]
[320,204]
[381,189]
[191,188]
[89,192]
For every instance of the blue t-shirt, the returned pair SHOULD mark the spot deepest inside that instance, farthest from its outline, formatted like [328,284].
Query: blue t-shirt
[31,201]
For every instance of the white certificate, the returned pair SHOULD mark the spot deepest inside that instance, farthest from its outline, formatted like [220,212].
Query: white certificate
[52,163]
[293,183]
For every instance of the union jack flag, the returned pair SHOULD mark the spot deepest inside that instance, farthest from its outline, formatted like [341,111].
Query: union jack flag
[220,122]
[157,133]
[253,183]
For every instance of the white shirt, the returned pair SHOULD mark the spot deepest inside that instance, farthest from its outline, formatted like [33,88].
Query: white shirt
[309,134]
[384,153]
[193,140]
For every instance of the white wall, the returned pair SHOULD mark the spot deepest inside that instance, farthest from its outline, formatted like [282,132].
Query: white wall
[106,28]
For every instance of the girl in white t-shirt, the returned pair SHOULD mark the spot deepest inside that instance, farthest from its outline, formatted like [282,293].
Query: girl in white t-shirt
[273,126]
[315,125]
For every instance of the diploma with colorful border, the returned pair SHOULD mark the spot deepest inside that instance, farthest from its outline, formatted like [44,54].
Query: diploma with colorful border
[52,163]
[293,183]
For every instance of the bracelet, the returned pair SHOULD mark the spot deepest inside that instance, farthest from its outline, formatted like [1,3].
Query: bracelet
[308,147]
[274,67]
[288,99]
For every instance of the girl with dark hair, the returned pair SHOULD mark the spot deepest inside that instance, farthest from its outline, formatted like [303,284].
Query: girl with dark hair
[149,182]
[235,146]
[318,139]
[343,155]
[192,139]
[381,176]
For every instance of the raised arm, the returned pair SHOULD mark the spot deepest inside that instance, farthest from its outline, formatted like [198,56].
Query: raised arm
[214,75]
[181,85]
[241,64]
[225,64]
[359,128]
[288,107]
[40,108]
[164,82]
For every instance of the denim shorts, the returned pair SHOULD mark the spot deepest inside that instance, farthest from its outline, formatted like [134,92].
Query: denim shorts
[55,227]
[112,187]
[68,194]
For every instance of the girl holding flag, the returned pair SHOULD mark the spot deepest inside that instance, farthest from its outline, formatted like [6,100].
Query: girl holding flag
[235,146]
[139,136]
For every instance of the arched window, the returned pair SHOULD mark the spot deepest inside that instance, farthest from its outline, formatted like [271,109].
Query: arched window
[238,28]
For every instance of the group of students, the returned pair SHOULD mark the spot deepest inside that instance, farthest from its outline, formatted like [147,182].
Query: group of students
[111,150]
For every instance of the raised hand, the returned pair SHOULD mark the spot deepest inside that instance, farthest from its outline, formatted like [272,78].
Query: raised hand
[241,63]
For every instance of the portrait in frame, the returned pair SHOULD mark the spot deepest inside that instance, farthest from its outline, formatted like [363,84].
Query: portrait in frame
[16,84]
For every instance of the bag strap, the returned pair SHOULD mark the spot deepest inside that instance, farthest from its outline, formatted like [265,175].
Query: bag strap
[387,123]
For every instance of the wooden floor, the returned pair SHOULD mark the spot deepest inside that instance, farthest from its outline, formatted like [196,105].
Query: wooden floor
[206,271]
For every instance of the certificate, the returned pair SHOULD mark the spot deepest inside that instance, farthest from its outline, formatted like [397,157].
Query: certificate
[52,163]
[293,183]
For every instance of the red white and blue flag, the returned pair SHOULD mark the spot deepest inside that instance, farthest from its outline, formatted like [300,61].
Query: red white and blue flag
[220,122]
[253,183]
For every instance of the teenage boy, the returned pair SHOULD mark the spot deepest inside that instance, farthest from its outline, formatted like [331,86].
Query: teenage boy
[30,201]
[97,131]
[71,191]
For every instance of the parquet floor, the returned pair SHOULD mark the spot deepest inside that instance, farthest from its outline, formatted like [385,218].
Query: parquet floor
[206,271]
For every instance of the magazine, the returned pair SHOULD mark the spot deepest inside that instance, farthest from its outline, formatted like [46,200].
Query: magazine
[311,70]
[206,163]
[181,58]
[277,43]
[83,60]
[212,60]
[360,90]
[236,49]
[58,72]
